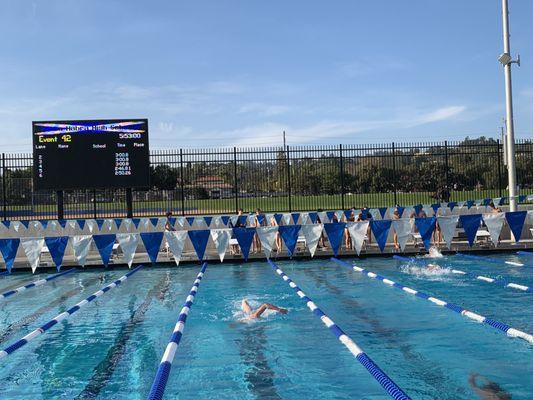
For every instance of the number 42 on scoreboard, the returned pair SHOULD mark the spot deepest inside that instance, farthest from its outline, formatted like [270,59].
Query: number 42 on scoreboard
[66,138]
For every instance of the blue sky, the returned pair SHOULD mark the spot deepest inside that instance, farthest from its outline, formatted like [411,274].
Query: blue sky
[224,73]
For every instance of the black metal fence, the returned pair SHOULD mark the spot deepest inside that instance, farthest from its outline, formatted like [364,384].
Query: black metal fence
[213,181]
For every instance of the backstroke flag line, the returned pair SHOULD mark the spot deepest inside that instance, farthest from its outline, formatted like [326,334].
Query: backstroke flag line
[176,241]
[221,238]
[33,248]
[81,245]
[312,234]
[128,242]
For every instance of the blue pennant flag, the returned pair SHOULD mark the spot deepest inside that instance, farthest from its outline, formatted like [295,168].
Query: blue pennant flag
[118,222]
[6,223]
[44,223]
[335,233]
[502,201]
[313,217]
[295,217]
[244,237]
[81,223]
[347,214]
[100,223]
[190,220]
[57,246]
[435,207]
[278,218]
[199,240]
[26,223]
[171,221]
[364,214]
[452,205]
[516,221]
[470,223]
[400,210]
[152,243]
[225,219]
[486,202]
[8,248]
[261,219]
[380,229]
[470,203]
[104,244]
[425,227]
[382,212]
[62,222]
[522,198]
[289,234]
[136,222]
[208,220]
[242,220]
[418,208]
[154,222]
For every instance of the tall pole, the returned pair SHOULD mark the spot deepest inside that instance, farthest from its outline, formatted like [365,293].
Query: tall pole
[511,168]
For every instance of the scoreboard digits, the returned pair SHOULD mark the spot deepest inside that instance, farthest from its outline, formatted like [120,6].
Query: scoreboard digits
[91,154]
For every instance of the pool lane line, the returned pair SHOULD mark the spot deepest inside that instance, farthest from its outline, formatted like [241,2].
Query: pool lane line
[4,273]
[163,371]
[499,282]
[489,259]
[525,253]
[392,389]
[40,282]
[42,329]
[512,332]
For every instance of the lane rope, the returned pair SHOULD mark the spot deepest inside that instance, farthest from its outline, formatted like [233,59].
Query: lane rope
[392,389]
[163,371]
[40,282]
[511,332]
[64,315]
[489,259]
[4,273]
[500,282]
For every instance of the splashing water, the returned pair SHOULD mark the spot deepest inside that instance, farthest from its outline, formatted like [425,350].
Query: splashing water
[434,253]
[431,270]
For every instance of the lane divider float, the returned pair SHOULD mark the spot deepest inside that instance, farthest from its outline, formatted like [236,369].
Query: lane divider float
[35,284]
[489,259]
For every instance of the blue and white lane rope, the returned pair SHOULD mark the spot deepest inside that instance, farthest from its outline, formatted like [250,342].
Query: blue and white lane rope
[392,389]
[512,332]
[525,253]
[500,282]
[491,260]
[4,273]
[163,371]
[64,315]
[35,284]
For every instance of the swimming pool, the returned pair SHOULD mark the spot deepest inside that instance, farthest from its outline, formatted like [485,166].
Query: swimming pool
[112,348]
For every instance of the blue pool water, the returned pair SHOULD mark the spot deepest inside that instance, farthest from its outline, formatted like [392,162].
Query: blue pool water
[111,348]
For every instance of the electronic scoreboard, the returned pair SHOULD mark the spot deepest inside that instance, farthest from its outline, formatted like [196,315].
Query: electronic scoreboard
[91,154]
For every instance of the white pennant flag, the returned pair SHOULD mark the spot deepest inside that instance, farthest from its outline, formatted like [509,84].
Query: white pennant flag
[403,228]
[81,245]
[267,236]
[126,225]
[304,218]
[217,221]
[72,227]
[323,217]
[494,222]
[199,222]
[33,248]
[358,232]
[91,225]
[339,214]
[407,212]
[233,219]
[17,225]
[287,219]
[447,227]
[530,218]
[312,235]
[128,243]
[375,213]
[145,225]
[221,239]
[176,241]
[181,221]
[428,210]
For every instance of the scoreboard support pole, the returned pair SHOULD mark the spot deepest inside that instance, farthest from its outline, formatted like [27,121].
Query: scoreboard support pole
[60,205]
[129,203]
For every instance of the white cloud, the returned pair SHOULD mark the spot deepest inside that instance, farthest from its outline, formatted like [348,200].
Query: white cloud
[440,114]
[265,110]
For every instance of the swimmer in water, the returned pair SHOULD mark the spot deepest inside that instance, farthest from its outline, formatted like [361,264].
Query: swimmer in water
[433,267]
[257,313]
[488,390]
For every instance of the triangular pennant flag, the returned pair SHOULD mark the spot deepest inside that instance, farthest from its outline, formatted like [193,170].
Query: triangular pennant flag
[208,221]
[172,221]
[62,222]
[152,244]
[81,223]
[128,243]
[287,218]
[244,237]
[400,210]
[486,202]
[313,217]
[478,202]
[33,248]
[26,223]
[241,220]
[323,216]
[330,215]
[304,218]
[382,211]
[199,222]
[522,198]
[261,219]
[461,204]
[127,223]
[335,232]
[425,227]
[72,226]
[289,234]
[494,222]
[199,240]
[100,223]
[118,222]
[16,226]
[470,203]
[8,248]
[470,224]
[267,236]
[190,220]
[516,221]
[452,205]
[403,228]
[6,223]
[312,235]
[176,242]
[278,218]
[339,214]
[154,222]
[181,221]
[497,201]
[225,219]
[380,229]
[221,238]
[435,208]
[295,218]
[447,227]
[417,208]
[104,244]
[57,246]
[374,213]
[136,222]
[358,231]
[347,214]
[44,223]
[81,246]
[364,213]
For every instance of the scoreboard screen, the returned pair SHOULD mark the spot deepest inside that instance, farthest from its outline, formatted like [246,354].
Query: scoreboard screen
[91,154]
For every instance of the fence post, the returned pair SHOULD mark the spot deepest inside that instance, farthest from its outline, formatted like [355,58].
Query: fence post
[394,173]
[289,178]
[235,186]
[94,203]
[129,203]
[182,184]
[446,173]
[4,197]
[342,176]
[60,205]
[499,168]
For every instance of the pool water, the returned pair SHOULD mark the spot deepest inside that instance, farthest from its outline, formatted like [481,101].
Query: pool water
[112,347]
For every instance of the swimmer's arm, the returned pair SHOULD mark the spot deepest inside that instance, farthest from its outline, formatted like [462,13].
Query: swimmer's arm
[267,306]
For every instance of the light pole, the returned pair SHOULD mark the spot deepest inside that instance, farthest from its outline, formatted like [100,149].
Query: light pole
[506,60]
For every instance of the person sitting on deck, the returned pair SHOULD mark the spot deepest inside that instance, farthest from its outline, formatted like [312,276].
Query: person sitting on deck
[257,313]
